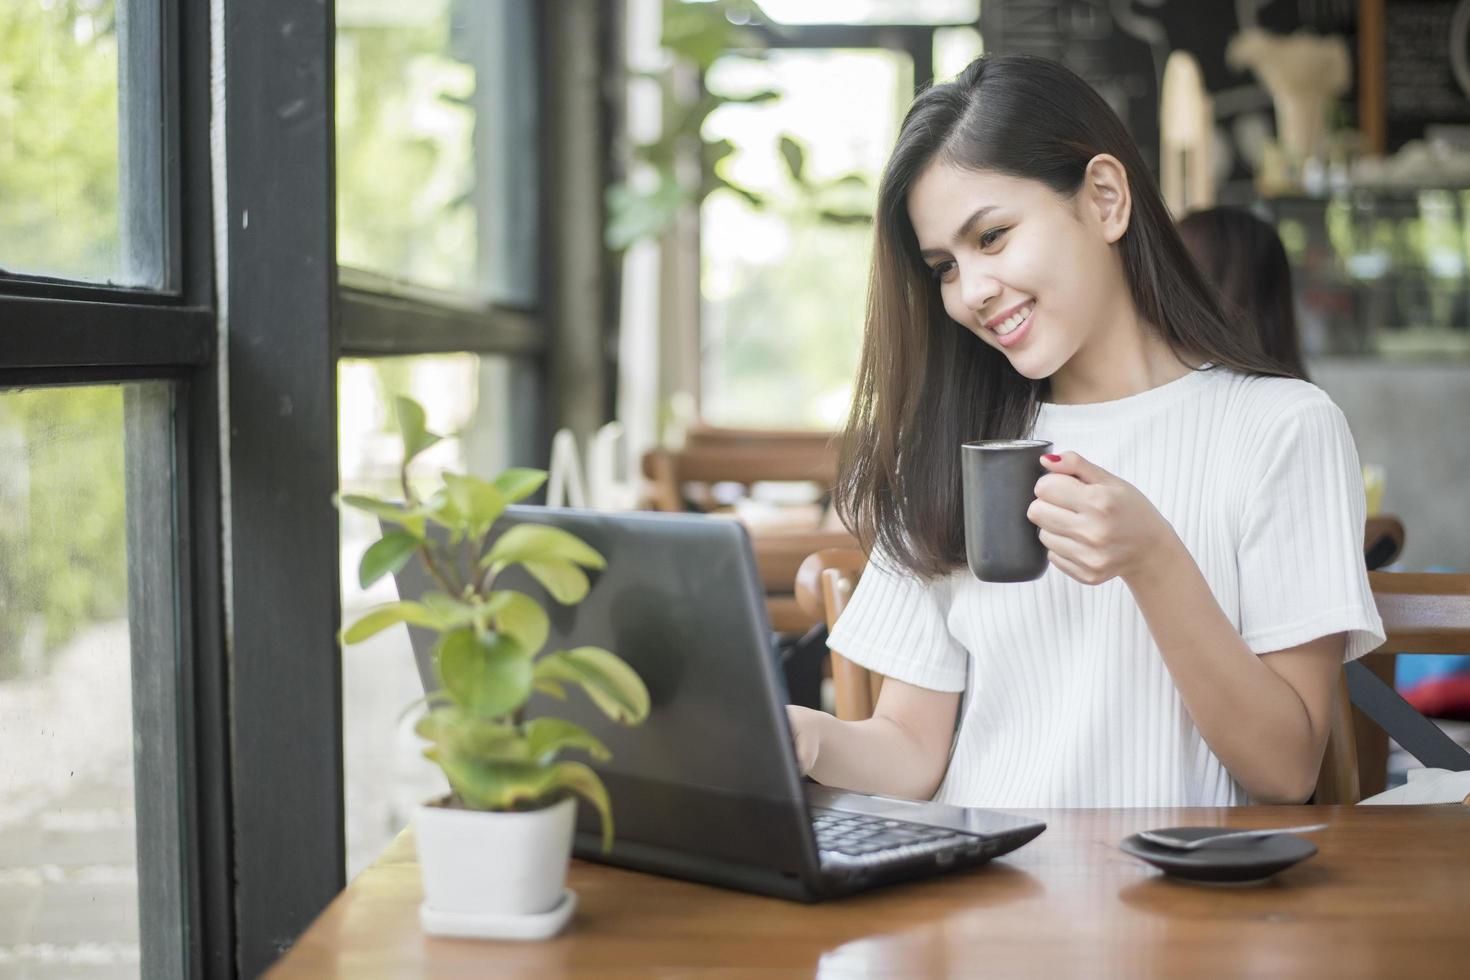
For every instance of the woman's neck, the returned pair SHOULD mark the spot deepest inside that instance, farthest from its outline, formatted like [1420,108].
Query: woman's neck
[1126,358]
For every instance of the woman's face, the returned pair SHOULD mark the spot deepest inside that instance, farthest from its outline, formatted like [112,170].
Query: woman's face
[1027,271]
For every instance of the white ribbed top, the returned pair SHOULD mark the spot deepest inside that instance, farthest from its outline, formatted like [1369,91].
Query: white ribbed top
[1067,699]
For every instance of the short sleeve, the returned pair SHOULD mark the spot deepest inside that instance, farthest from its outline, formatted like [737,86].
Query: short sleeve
[894,624]
[1302,574]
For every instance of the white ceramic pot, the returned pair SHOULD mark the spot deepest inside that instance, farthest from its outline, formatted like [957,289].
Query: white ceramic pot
[479,863]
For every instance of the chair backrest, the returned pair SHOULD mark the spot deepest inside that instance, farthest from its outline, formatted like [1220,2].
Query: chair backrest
[824,583]
[1422,612]
[1383,540]
[746,456]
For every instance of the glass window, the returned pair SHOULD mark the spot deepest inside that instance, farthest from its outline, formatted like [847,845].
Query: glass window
[872,11]
[436,145]
[81,190]
[954,49]
[784,284]
[71,722]
[467,398]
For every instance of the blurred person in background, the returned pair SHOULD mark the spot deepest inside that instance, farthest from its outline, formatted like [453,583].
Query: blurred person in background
[1243,256]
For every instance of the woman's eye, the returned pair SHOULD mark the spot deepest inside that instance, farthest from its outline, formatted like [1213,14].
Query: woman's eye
[941,270]
[992,236]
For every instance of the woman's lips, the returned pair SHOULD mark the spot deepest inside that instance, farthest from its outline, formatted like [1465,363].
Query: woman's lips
[1017,335]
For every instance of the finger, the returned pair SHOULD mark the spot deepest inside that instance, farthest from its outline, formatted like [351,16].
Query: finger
[1051,517]
[1071,569]
[1063,490]
[1063,546]
[1072,464]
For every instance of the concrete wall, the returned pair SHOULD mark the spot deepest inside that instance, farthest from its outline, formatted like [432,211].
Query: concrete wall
[1414,421]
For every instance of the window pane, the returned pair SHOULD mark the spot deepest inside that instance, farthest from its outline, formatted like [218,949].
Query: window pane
[954,49]
[466,398]
[436,145]
[872,11]
[80,141]
[784,286]
[69,875]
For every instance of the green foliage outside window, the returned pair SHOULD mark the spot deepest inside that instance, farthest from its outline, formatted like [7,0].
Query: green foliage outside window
[58,138]
[404,152]
[63,516]
[62,508]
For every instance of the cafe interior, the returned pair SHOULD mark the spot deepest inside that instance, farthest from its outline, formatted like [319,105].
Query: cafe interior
[296,299]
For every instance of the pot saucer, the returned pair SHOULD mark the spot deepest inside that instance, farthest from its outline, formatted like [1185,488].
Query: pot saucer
[1250,861]
[471,925]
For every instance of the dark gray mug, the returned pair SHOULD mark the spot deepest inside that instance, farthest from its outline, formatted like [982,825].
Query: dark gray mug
[1000,482]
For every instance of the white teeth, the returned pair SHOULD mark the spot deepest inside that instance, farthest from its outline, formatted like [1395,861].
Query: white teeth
[1015,320]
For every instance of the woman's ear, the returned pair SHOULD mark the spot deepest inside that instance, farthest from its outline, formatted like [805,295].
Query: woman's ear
[1105,192]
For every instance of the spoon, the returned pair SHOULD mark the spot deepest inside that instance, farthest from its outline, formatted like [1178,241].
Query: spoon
[1180,844]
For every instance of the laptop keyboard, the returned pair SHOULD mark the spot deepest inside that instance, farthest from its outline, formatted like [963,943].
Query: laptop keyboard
[861,835]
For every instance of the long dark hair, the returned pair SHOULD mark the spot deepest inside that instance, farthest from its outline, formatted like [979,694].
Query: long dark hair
[1243,256]
[925,384]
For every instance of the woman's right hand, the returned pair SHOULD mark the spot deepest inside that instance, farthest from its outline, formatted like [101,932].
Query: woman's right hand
[804,735]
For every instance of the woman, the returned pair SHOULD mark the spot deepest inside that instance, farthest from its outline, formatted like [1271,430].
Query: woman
[1203,513]
[1243,256]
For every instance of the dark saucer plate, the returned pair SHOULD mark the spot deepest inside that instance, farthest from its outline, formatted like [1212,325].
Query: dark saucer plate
[1248,862]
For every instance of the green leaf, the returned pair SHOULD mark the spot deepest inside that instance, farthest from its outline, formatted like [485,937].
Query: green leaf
[550,688]
[634,215]
[448,612]
[537,542]
[388,511]
[504,785]
[844,217]
[715,182]
[547,736]
[442,510]
[479,502]
[523,618]
[416,436]
[795,156]
[472,737]
[580,779]
[518,484]
[386,555]
[493,784]
[382,617]
[754,98]
[713,153]
[611,684]
[488,677]
[566,582]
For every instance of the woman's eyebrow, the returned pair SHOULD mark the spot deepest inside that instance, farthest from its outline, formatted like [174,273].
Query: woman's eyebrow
[964,231]
[968,228]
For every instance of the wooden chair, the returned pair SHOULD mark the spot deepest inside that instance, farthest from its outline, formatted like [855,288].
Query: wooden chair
[1383,540]
[680,481]
[824,583]
[680,478]
[1422,612]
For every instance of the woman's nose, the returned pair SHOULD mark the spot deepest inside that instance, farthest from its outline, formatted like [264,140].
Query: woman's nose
[977,288]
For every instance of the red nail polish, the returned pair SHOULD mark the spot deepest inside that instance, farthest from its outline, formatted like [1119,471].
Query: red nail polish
[1052,458]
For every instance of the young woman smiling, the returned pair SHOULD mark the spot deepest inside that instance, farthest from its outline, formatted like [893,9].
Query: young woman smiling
[1203,514]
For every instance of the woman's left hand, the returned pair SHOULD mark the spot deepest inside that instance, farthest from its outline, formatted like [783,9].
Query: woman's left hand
[1095,526]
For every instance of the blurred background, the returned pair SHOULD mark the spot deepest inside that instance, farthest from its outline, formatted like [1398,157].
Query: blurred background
[654,213]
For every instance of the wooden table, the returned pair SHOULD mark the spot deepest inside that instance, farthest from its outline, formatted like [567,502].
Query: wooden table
[1387,896]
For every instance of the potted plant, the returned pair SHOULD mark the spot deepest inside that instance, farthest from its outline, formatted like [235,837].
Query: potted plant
[495,850]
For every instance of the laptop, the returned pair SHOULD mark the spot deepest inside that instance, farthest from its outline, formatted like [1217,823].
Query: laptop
[708,788]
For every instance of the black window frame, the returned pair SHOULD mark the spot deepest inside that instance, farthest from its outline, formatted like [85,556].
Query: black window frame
[255,848]
[59,332]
